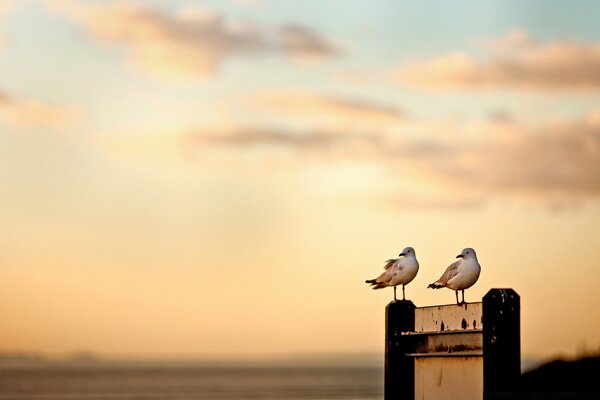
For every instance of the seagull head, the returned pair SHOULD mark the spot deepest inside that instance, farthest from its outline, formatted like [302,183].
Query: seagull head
[467,253]
[408,251]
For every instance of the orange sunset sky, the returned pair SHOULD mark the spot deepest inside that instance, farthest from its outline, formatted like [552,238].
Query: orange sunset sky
[218,178]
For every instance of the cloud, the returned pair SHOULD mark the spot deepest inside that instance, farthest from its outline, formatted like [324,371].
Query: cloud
[327,110]
[21,113]
[558,159]
[218,144]
[304,45]
[320,142]
[515,61]
[555,163]
[501,116]
[190,44]
[446,201]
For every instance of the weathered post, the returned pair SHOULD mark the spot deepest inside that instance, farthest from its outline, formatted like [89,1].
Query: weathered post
[501,342]
[470,351]
[399,367]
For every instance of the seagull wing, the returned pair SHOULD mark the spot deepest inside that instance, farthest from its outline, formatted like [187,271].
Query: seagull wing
[450,273]
[391,268]
[389,263]
[387,275]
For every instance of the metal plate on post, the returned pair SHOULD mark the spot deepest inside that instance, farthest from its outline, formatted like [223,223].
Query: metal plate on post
[449,318]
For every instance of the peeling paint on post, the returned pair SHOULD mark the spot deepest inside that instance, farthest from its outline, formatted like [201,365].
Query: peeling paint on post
[399,368]
[501,342]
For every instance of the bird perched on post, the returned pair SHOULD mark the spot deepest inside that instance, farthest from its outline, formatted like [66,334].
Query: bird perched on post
[461,274]
[398,271]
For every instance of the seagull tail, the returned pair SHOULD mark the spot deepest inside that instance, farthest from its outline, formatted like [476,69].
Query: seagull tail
[376,285]
[435,285]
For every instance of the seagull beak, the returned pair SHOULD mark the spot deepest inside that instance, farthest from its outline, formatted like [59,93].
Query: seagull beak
[459,256]
[401,254]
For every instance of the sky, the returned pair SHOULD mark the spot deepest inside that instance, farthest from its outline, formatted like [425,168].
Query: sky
[218,178]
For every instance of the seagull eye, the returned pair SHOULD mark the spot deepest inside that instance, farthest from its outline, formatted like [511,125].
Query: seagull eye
[467,252]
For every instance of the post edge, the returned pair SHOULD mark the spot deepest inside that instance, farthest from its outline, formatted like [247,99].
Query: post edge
[501,342]
[399,369]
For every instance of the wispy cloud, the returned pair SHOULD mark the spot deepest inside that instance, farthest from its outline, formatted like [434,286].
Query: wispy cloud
[341,111]
[554,163]
[21,113]
[442,200]
[322,143]
[557,159]
[305,45]
[515,61]
[192,43]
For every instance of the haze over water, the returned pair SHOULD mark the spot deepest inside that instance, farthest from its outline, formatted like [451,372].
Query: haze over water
[226,380]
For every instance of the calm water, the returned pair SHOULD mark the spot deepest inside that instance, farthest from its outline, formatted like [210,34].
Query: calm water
[189,382]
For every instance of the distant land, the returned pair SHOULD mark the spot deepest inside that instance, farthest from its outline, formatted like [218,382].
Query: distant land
[84,358]
[564,376]
[24,359]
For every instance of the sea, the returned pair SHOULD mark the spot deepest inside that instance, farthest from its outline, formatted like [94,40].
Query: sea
[105,381]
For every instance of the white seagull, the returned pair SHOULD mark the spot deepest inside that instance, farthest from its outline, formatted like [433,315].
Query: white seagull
[461,274]
[398,271]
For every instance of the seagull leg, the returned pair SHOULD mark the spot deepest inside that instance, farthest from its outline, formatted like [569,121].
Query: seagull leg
[395,294]
[456,293]
[403,298]
[463,292]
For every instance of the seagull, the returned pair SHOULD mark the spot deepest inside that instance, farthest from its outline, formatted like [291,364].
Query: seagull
[398,271]
[460,275]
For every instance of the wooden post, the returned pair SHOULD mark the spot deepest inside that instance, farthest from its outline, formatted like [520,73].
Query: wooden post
[501,342]
[467,351]
[399,368]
